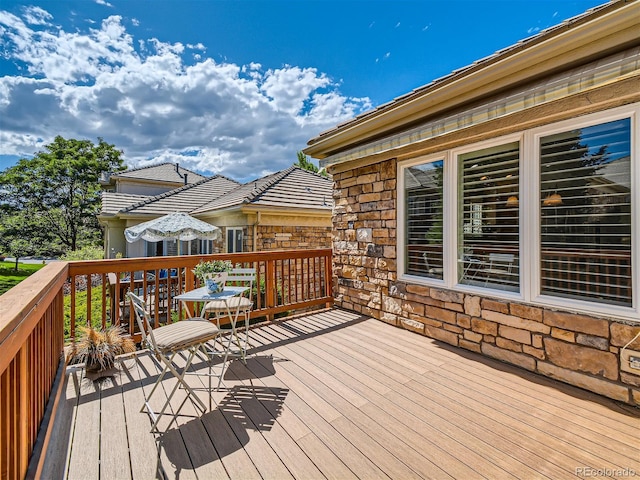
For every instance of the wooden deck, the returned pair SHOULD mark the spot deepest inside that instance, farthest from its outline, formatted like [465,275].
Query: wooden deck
[339,395]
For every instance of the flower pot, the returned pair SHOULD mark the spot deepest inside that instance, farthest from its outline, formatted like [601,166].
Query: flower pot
[215,282]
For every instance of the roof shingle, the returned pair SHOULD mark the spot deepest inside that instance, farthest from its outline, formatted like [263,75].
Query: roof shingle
[290,188]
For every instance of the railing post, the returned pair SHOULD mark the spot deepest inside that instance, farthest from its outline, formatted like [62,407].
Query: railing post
[270,287]
[328,281]
[23,410]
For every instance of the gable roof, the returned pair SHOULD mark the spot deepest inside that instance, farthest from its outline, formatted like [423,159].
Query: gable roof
[161,172]
[293,188]
[183,199]
[602,30]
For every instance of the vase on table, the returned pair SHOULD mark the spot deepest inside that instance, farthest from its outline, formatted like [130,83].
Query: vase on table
[215,282]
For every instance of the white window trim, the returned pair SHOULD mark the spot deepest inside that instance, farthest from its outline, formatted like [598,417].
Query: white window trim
[533,241]
[529,217]
[232,229]
[401,234]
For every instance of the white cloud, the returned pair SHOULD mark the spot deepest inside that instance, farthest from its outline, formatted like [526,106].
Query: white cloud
[36,16]
[139,94]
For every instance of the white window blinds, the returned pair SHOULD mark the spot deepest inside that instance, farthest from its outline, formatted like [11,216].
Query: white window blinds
[585,213]
[423,195]
[488,217]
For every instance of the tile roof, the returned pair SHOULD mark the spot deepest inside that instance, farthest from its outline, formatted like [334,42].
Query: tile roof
[113,202]
[290,188]
[184,199]
[161,172]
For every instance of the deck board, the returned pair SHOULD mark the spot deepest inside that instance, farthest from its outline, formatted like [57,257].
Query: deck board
[337,395]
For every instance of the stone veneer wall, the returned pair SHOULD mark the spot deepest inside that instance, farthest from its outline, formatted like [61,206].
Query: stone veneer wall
[287,237]
[577,349]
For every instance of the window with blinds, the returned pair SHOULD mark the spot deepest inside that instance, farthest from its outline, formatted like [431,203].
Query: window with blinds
[488,217]
[424,200]
[585,213]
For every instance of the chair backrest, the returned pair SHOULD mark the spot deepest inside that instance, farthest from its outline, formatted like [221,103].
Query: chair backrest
[502,261]
[425,256]
[144,320]
[243,277]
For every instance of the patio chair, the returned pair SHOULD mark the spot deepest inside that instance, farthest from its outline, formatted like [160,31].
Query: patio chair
[234,308]
[431,270]
[166,342]
[500,266]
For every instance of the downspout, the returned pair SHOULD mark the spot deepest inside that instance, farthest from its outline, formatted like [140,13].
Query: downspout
[255,232]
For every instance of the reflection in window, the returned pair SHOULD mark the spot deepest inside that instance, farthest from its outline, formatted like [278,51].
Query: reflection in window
[585,180]
[423,194]
[488,216]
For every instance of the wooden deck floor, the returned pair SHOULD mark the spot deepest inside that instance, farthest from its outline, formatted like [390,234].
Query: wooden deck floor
[338,395]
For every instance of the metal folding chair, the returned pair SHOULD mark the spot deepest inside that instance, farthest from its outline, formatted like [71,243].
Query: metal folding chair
[166,342]
[234,308]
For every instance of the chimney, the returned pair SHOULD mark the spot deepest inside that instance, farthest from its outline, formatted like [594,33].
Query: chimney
[185,178]
[177,168]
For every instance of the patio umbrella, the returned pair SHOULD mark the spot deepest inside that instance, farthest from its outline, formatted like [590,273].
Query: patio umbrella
[174,226]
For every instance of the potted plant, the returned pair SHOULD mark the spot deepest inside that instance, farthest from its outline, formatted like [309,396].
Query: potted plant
[98,349]
[213,274]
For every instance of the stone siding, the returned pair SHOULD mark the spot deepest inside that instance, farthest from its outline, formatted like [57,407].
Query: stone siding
[575,348]
[288,237]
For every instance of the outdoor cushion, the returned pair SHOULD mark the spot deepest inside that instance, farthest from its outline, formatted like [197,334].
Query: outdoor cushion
[233,303]
[181,335]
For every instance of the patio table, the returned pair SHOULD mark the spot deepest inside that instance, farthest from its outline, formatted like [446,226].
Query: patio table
[202,295]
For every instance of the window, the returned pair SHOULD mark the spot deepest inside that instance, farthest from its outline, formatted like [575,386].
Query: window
[488,217]
[423,193]
[234,240]
[205,246]
[585,213]
[549,216]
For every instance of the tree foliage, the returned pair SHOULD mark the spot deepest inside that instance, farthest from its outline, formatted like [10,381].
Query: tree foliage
[305,163]
[52,199]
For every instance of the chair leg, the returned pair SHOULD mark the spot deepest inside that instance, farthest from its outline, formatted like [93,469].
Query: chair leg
[179,375]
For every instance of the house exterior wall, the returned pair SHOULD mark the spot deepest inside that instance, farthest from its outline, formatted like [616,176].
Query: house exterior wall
[144,188]
[274,237]
[579,349]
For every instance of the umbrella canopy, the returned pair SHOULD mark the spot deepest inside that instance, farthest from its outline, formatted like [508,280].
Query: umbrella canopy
[174,226]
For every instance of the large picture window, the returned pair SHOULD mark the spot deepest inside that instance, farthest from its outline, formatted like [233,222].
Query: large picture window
[548,216]
[585,213]
[423,194]
[488,217]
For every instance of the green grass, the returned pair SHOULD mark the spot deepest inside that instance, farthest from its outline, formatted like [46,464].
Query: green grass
[9,277]
[81,311]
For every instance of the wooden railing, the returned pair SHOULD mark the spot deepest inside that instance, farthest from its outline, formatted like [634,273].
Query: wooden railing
[31,344]
[33,316]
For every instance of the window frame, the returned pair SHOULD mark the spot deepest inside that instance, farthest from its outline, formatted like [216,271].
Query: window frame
[534,240]
[235,231]
[401,233]
[454,159]
[529,212]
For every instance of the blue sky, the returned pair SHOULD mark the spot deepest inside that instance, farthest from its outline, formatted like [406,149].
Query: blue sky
[232,87]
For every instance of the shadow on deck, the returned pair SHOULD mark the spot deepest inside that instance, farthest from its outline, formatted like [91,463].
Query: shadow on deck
[337,395]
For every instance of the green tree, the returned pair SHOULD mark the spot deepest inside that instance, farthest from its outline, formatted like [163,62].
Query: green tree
[305,163]
[54,197]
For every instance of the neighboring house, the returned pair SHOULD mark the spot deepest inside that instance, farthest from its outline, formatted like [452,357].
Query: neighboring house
[151,180]
[497,208]
[122,189]
[288,209]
